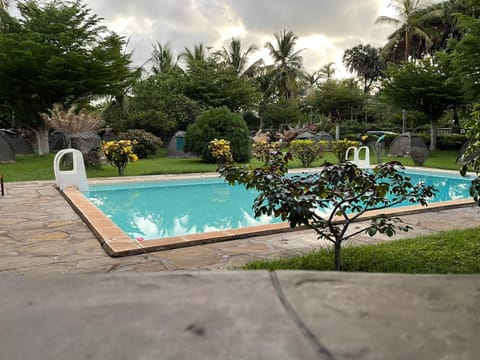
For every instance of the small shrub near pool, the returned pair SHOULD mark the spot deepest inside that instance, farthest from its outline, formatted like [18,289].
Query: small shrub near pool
[452,252]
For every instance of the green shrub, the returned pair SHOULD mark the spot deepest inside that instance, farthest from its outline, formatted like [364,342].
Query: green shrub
[339,148]
[145,143]
[419,155]
[219,123]
[307,151]
[451,141]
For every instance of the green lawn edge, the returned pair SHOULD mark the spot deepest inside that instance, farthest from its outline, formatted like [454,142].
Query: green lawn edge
[448,252]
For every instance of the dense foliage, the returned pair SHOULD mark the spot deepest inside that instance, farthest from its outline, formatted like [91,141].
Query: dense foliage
[160,106]
[219,123]
[57,52]
[329,201]
[145,144]
[422,86]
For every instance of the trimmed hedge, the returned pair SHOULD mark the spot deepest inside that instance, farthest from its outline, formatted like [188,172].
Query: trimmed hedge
[446,141]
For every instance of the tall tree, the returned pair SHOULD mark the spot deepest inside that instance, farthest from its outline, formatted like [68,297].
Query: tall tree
[215,84]
[465,56]
[160,106]
[412,38]
[449,29]
[336,99]
[238,58]
[365,61]
[423,86]
[58,52]
[162,58]
[288,64]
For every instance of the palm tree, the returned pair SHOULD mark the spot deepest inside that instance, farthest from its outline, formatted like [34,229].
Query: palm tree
[287,65]
[365,61]
[237,58]
[4,4]
[327,71]
[198,53]
[412,37]
[448,28]
[162,58]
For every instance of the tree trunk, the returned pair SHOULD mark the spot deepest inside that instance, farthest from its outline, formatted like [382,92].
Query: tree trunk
[433,134]
[41,136]
[336,254]
[337,131]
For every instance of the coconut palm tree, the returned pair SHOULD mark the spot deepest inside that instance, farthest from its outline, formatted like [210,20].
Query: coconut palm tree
[412,38]
[198,53]
[327,71]
[162,58]
[237,57]
[288,64]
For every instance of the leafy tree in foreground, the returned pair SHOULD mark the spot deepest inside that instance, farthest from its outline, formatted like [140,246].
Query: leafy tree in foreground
[472,153]
[329,201]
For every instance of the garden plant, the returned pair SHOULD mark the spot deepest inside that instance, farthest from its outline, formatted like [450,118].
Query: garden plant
[307,151]
[329,201]
[119,153]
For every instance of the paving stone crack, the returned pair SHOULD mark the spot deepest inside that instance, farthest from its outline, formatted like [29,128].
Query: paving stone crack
[292,314]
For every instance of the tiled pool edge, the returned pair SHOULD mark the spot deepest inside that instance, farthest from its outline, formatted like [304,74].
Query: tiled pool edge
[117,244]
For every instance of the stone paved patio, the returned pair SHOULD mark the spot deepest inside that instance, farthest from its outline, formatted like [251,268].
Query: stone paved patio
[40,233]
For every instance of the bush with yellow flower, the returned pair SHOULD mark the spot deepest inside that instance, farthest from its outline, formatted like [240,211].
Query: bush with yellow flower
[221,151]
[119,153]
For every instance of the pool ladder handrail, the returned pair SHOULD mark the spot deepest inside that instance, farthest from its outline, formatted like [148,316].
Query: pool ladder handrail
[77,176]
[361,163]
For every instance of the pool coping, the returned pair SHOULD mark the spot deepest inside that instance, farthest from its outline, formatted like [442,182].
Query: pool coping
[117,244]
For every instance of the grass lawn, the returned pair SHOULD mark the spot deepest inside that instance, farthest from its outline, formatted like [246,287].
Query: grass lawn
[450,252]
[32,167]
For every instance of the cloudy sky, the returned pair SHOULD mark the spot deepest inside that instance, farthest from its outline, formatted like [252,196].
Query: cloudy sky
[325,27]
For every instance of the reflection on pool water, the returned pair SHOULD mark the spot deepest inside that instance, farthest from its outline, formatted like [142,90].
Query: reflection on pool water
[162,209]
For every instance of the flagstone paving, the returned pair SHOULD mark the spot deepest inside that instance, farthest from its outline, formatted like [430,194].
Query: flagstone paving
[39,232]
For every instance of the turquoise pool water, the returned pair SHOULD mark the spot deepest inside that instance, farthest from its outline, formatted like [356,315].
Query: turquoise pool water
[153,210]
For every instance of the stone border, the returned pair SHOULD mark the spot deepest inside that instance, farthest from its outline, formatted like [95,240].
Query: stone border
[116,243]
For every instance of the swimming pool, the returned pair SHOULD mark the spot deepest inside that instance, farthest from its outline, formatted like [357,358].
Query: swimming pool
[147,231]
[173,208]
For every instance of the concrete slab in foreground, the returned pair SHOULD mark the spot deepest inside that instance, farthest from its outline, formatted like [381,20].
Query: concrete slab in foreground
[239,315]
